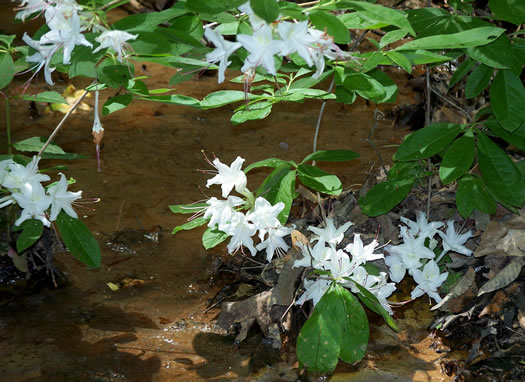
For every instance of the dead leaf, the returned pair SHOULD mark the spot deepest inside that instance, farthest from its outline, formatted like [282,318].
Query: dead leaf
[298,238]
[113,287]
[504,277]
[465,289]
[505,239]
[496,304]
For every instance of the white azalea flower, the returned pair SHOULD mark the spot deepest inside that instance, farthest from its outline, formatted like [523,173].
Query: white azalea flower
[361,254]
[296,38]
[452,241]
[29,7]
[360,276]
[422,227]
[42,57]
[221,211]
[223,50]
[18,175]
[396,267]
[6,200]
[314,291]
[4,167]
[62,198]
[382,291]
[339,266]
[315,257]
[229,176]
[34,202]
[114,39]
[255,20]
[275,242]
[262,48]
[330,234]
[264,216]
[428,280]
[324,46]
[241,231]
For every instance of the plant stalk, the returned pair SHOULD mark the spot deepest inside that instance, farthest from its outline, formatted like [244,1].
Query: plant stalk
[8,124]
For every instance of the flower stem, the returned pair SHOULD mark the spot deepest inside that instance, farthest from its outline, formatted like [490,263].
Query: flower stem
[8,123]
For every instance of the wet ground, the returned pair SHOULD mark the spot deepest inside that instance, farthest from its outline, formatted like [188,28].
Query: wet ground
[154,327]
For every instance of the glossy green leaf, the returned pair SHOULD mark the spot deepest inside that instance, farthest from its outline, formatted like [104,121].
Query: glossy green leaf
[83,60]
[176,99]
[385,195]
[268,10]
[114,75]
[32,230]
[213,237]
[269,162]
[334,27]
[388,85]
[516,138]
[401,60]
[478,80]
[331,156]
[366,86]
[385,15]
[427,141]
[465,39]
[7,69]
[472,193]
[392,36]
[461,71]
[259,110]
[197,222]
[497,54]
[509,10]
[308,82]
[319,180]
[221,98]
[116,103]
[79,240]
[507,97]
[50,97]
[458,159]
[213,6]
[35,144]
[499,172]
[145,21]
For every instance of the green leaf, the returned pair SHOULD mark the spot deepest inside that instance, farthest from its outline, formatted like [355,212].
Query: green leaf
[422,57]
[213,6]
[83,60]
[458,159]
[507,97]
[372,303]
[464,39]
[499,172]
[190,225]
[401,60]
[65,156]
[79,240]
[7,69]
[188,208]
[517,138]
[116,103]
[35,144]
[114,75]
[145,21]
[384,196]
[387,83]
[308,82]
[366,86]
[259,110]
[221,98]
[461,71]
[268,10]
[497,54]
[32,230]
[213,237]
[478,80]
[269,162]
[472,193]
[228,28]
[279,186]
[50,97]
[176,99]
[316,179]
[509,10]
[331,156]
[382,14]
[427,141]
[392,36]
[334,27]
[344,95]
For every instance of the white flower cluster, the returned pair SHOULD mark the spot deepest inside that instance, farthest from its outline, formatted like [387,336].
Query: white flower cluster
[342,265]
[310,44]
[66,23]
[261,217]
[23,185]
[409,255]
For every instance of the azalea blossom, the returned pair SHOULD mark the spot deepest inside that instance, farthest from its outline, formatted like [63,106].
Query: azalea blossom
[262,48]
[361,254]
[330,233]
[241,231]
[296,38]
[34,202]
[422,227]
[62,199]
[452,241]
[229,176]
[264,216]
[29,7]
[314,290]
[223,50]
[428,280]
[42,57]
[339,266]
[315,257]
[18,175]
[221,211]
[255,20]
[275,242]
[114,39]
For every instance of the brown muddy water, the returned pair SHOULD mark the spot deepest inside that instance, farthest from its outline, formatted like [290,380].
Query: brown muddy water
[156,327]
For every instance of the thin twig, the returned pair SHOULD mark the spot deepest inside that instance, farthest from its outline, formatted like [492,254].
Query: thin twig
[371,143]
[451,103]
[108,5]
[55,132]
[119,214]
